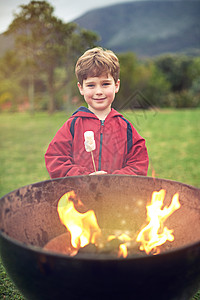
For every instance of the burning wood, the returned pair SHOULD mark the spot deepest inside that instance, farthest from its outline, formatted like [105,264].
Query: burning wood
[114,248]
[61,244]
[85,235]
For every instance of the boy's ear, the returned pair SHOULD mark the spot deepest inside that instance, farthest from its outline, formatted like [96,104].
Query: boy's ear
[80,88]
[117,85]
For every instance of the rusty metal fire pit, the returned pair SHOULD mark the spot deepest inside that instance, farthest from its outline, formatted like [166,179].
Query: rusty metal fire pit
[29,219]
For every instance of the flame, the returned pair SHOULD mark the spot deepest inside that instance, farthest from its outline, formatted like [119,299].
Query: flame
[123,251]
[155,234]
[83,227]
[153,173]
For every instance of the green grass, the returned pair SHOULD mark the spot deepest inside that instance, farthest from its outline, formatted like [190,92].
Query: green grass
[173,141]
[172,138]
[23,142]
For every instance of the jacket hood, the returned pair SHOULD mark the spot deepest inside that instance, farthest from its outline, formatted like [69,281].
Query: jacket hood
[84,112]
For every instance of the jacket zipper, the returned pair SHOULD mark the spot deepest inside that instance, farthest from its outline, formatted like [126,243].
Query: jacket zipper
[101,142]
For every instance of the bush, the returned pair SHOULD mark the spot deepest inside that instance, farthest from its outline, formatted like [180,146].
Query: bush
[183,99]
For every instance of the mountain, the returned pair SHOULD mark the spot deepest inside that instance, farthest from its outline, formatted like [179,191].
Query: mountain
[147,28]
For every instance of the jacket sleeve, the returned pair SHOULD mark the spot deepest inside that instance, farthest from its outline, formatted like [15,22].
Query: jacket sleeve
[58,157]
[137,160]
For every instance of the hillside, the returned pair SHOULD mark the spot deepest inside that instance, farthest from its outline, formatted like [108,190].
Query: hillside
[147,27]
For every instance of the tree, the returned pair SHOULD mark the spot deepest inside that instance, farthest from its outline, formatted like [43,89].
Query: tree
[153,84]
[128,78]
[143,85]
[177,69]
[44,43]
[10,88]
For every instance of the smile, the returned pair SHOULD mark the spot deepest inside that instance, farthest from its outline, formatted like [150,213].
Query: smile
[99,99]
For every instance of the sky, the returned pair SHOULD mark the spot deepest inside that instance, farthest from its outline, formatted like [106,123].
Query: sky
[66,10]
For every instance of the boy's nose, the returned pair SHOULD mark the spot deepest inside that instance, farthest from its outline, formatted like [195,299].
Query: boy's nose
[98,91]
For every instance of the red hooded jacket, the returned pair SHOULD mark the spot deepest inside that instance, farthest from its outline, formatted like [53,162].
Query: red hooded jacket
[119,148]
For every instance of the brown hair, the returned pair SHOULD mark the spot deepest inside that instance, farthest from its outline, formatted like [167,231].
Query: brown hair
[96,62]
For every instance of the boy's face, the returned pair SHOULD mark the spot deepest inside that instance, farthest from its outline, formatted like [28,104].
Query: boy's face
[99,92]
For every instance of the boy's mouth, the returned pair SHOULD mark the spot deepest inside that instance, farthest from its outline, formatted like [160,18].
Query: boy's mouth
[99,99]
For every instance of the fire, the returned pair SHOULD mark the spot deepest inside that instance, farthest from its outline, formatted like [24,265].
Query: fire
[155,233]
[123,250]
[124,238]
[83,226]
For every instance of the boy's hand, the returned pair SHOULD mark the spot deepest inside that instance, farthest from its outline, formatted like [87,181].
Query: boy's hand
[98,173]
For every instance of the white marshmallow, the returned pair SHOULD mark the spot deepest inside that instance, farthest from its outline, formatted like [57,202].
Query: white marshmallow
[90,144]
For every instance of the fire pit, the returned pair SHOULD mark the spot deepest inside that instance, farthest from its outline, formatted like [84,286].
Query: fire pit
[29,220]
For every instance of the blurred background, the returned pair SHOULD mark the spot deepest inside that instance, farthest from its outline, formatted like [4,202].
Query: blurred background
[157,42]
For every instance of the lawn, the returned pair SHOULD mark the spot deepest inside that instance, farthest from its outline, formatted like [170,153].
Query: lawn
[172,138]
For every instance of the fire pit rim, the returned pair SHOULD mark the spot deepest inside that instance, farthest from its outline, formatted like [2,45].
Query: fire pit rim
[101,176]
[87,256]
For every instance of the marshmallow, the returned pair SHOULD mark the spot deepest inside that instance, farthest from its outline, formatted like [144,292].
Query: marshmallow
[90,144]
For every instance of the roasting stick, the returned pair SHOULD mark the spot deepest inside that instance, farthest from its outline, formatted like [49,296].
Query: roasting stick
[90,145]
[93,162]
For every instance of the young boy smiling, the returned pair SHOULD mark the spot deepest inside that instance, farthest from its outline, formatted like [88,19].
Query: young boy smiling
[99,93]
[119,148]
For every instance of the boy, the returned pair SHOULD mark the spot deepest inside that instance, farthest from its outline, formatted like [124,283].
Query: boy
[119,148]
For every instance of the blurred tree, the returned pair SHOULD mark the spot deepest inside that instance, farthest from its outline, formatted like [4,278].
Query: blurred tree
[177,69]
[183,74]
[44,42]
[142,84]
[153,84]
[128,80]
[10,88]
[195,88]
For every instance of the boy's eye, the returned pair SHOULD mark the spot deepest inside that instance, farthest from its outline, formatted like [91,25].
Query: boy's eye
[106,83]
[90,85]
